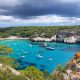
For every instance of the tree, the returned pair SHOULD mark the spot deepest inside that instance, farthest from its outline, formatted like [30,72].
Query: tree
[33,73]
[5,50]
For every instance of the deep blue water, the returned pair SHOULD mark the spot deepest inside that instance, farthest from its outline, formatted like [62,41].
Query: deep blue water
[29,53]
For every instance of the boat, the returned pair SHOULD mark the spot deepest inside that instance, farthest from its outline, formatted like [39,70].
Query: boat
[22,56]
[45,44]
[50,59]
[50,48]
[30,45]
[40,56]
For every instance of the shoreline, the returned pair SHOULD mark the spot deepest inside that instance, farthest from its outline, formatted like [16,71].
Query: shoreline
[68,40]
[41,39]
[57,42]
[14,38]
[37,40]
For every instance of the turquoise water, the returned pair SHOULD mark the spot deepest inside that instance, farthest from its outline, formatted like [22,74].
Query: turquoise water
[32,53]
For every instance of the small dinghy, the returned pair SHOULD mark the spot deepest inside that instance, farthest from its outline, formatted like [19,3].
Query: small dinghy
[22,56]
[45,44]
[50,48]
[39,56]
[30,45]
[50,59]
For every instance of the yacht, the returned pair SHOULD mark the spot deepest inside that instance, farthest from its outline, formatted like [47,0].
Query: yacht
[22,56]
[45,44]
[50,48]
[40,56]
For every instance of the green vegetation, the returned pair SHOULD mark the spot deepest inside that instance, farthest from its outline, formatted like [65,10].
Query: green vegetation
[4,57]
[57,74]
[33,73]
[5,50]
[6,60]
[33,31]
[8,75]
[30,72]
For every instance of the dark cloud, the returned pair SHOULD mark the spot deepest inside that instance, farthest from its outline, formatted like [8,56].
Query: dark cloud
[32,8]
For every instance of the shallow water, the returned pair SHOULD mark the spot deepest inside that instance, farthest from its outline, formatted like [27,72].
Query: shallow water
[29,53]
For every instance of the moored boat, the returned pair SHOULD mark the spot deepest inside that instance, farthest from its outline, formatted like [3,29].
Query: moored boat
[50,48]
[22,56]
[50,59]
[39,56]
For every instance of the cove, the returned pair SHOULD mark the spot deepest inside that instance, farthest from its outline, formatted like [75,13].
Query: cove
[34,54]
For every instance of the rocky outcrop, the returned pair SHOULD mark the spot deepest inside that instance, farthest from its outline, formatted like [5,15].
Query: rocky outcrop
[5,67]
[73,70]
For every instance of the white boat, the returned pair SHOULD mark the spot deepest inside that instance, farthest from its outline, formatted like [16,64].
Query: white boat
[50,48]
[22,56]
[45,44]
[30,45]
[50,59]
[40,56]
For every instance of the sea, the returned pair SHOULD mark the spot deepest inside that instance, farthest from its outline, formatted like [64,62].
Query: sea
[45,56]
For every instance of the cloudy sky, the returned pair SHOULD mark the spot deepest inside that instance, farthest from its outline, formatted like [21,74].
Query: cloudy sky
[39,12]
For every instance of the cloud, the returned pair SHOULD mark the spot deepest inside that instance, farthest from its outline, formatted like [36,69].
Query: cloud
[29,8]
[45,20]
[6,18]
[70,1]
[54,19]
[40,11]
[41,19]
[8,3]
